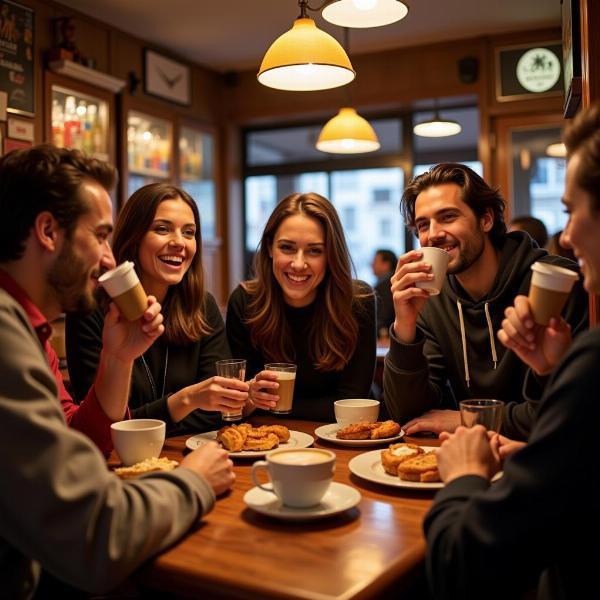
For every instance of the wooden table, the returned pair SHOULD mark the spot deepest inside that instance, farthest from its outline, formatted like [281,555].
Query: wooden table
[371,551]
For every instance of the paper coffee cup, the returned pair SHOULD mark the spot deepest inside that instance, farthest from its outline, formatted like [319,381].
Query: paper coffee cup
[124,287]
[549,289]
[438,259]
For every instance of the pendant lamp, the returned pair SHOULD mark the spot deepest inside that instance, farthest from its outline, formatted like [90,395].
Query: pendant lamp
[364,13]
[556,150]
[437,127]
[305,59]
[347,133]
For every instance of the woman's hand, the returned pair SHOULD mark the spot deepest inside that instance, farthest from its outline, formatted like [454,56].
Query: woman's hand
[214,394]
[263,390]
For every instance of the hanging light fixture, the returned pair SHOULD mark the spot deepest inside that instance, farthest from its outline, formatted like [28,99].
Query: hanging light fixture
[437,127]
[556,150]
[347,133]
[364,13]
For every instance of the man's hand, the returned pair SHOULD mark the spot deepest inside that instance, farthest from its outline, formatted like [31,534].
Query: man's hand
[126,340]
[466,452]
[435,421]
[213,463]
[408,299]
[539,347]
[503,447]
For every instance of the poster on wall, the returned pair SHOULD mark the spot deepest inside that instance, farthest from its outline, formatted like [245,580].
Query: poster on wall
[16,56]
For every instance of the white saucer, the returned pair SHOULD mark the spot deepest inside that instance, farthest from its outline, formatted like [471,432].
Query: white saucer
[298,439]
[327,433]
[338,498]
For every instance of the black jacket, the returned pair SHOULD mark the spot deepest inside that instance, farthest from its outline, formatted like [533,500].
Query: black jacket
[431,372]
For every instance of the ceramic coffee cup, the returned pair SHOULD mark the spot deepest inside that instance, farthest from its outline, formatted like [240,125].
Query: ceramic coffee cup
[124,287]
[299,477]
[136,440]
[355,410]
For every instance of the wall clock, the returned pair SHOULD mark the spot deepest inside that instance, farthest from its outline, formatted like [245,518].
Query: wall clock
[166,78]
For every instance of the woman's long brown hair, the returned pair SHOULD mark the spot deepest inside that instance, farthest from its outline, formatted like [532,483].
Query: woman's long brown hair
[334,330]
[185,304]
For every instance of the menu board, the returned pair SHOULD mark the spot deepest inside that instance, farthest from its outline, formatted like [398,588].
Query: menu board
[16,56]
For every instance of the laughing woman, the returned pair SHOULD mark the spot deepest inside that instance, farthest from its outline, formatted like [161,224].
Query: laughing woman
[158,230]
[304,307]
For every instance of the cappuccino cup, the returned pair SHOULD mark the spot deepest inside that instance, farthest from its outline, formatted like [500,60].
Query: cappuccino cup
[438,259]
[549,289]
[136,440]
[124,287]
[286,378]
[299,477]
[355,410]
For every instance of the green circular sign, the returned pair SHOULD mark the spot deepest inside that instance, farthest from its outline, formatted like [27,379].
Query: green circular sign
[538,70]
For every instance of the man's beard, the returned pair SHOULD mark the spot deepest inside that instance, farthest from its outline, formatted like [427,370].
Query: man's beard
[69,278]
[468,255]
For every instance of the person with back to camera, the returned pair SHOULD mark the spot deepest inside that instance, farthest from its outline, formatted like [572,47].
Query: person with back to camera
[443,348]
[384,265]
[304,307]
[533,226]
[533,527]
[61,509]
[158,230]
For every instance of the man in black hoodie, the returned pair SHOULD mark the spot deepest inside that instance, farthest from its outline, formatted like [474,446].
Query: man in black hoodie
[443,348]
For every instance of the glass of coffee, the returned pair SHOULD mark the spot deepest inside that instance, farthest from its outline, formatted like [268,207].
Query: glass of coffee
[232,368]
[286,378]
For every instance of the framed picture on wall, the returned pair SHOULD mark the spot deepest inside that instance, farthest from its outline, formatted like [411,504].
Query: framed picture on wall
[16,66]
[167,78]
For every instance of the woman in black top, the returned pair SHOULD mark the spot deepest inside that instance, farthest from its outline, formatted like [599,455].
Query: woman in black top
[304,307]
[158,230]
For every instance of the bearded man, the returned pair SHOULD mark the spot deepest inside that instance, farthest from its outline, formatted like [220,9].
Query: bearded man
[443,348]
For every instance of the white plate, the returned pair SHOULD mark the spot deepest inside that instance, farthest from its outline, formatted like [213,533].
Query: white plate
[327,433]
[368,466]
[298,439]
[338,498]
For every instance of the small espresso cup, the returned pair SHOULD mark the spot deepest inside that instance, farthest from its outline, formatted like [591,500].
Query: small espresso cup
[438,259]
[354,410]
[136,440]
[299,477]
[124,287]
[481,412]
[286,378]
[549,289]
[232,368]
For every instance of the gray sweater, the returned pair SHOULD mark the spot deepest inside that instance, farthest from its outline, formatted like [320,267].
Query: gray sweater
[60,507]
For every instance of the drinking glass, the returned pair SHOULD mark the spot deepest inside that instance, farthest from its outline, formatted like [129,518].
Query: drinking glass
[481,412]
[232,368]
[286,378]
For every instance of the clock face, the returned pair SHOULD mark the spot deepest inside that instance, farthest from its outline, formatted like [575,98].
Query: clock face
[538,70]
[167,78]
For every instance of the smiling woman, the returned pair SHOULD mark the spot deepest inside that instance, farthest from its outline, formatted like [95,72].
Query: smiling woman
[304,307]
[159,231]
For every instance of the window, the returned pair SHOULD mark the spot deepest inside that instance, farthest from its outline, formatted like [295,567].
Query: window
[382,195]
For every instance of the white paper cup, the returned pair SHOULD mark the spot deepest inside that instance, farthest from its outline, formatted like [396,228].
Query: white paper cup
[438,259]
[124,287]
[355,410]
[549,289]
[300,477]
[136,440]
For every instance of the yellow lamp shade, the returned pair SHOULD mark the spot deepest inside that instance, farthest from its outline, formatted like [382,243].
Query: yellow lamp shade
[556,150]
[304,59]
[347,133]
[364,13]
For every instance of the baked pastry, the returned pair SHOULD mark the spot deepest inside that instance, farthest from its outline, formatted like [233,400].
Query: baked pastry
[231,438]
[386,429]
[149,465]
[422,468]
[368,431]
[356,431]
[236,438]
[265,442]
[397,453]
[281,431]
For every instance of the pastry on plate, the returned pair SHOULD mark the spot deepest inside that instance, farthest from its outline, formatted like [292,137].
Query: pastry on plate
[237,438]
[423,468]
[387,429]
[232,438]
[149,465]
[397,453]
[268,441]
[356,431]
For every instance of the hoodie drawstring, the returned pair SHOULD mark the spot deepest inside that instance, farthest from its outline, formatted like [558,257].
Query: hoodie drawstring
[464,339]
[491,332]
[464,342]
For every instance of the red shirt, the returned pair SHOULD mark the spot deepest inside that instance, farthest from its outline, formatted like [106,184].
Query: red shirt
[87,417]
